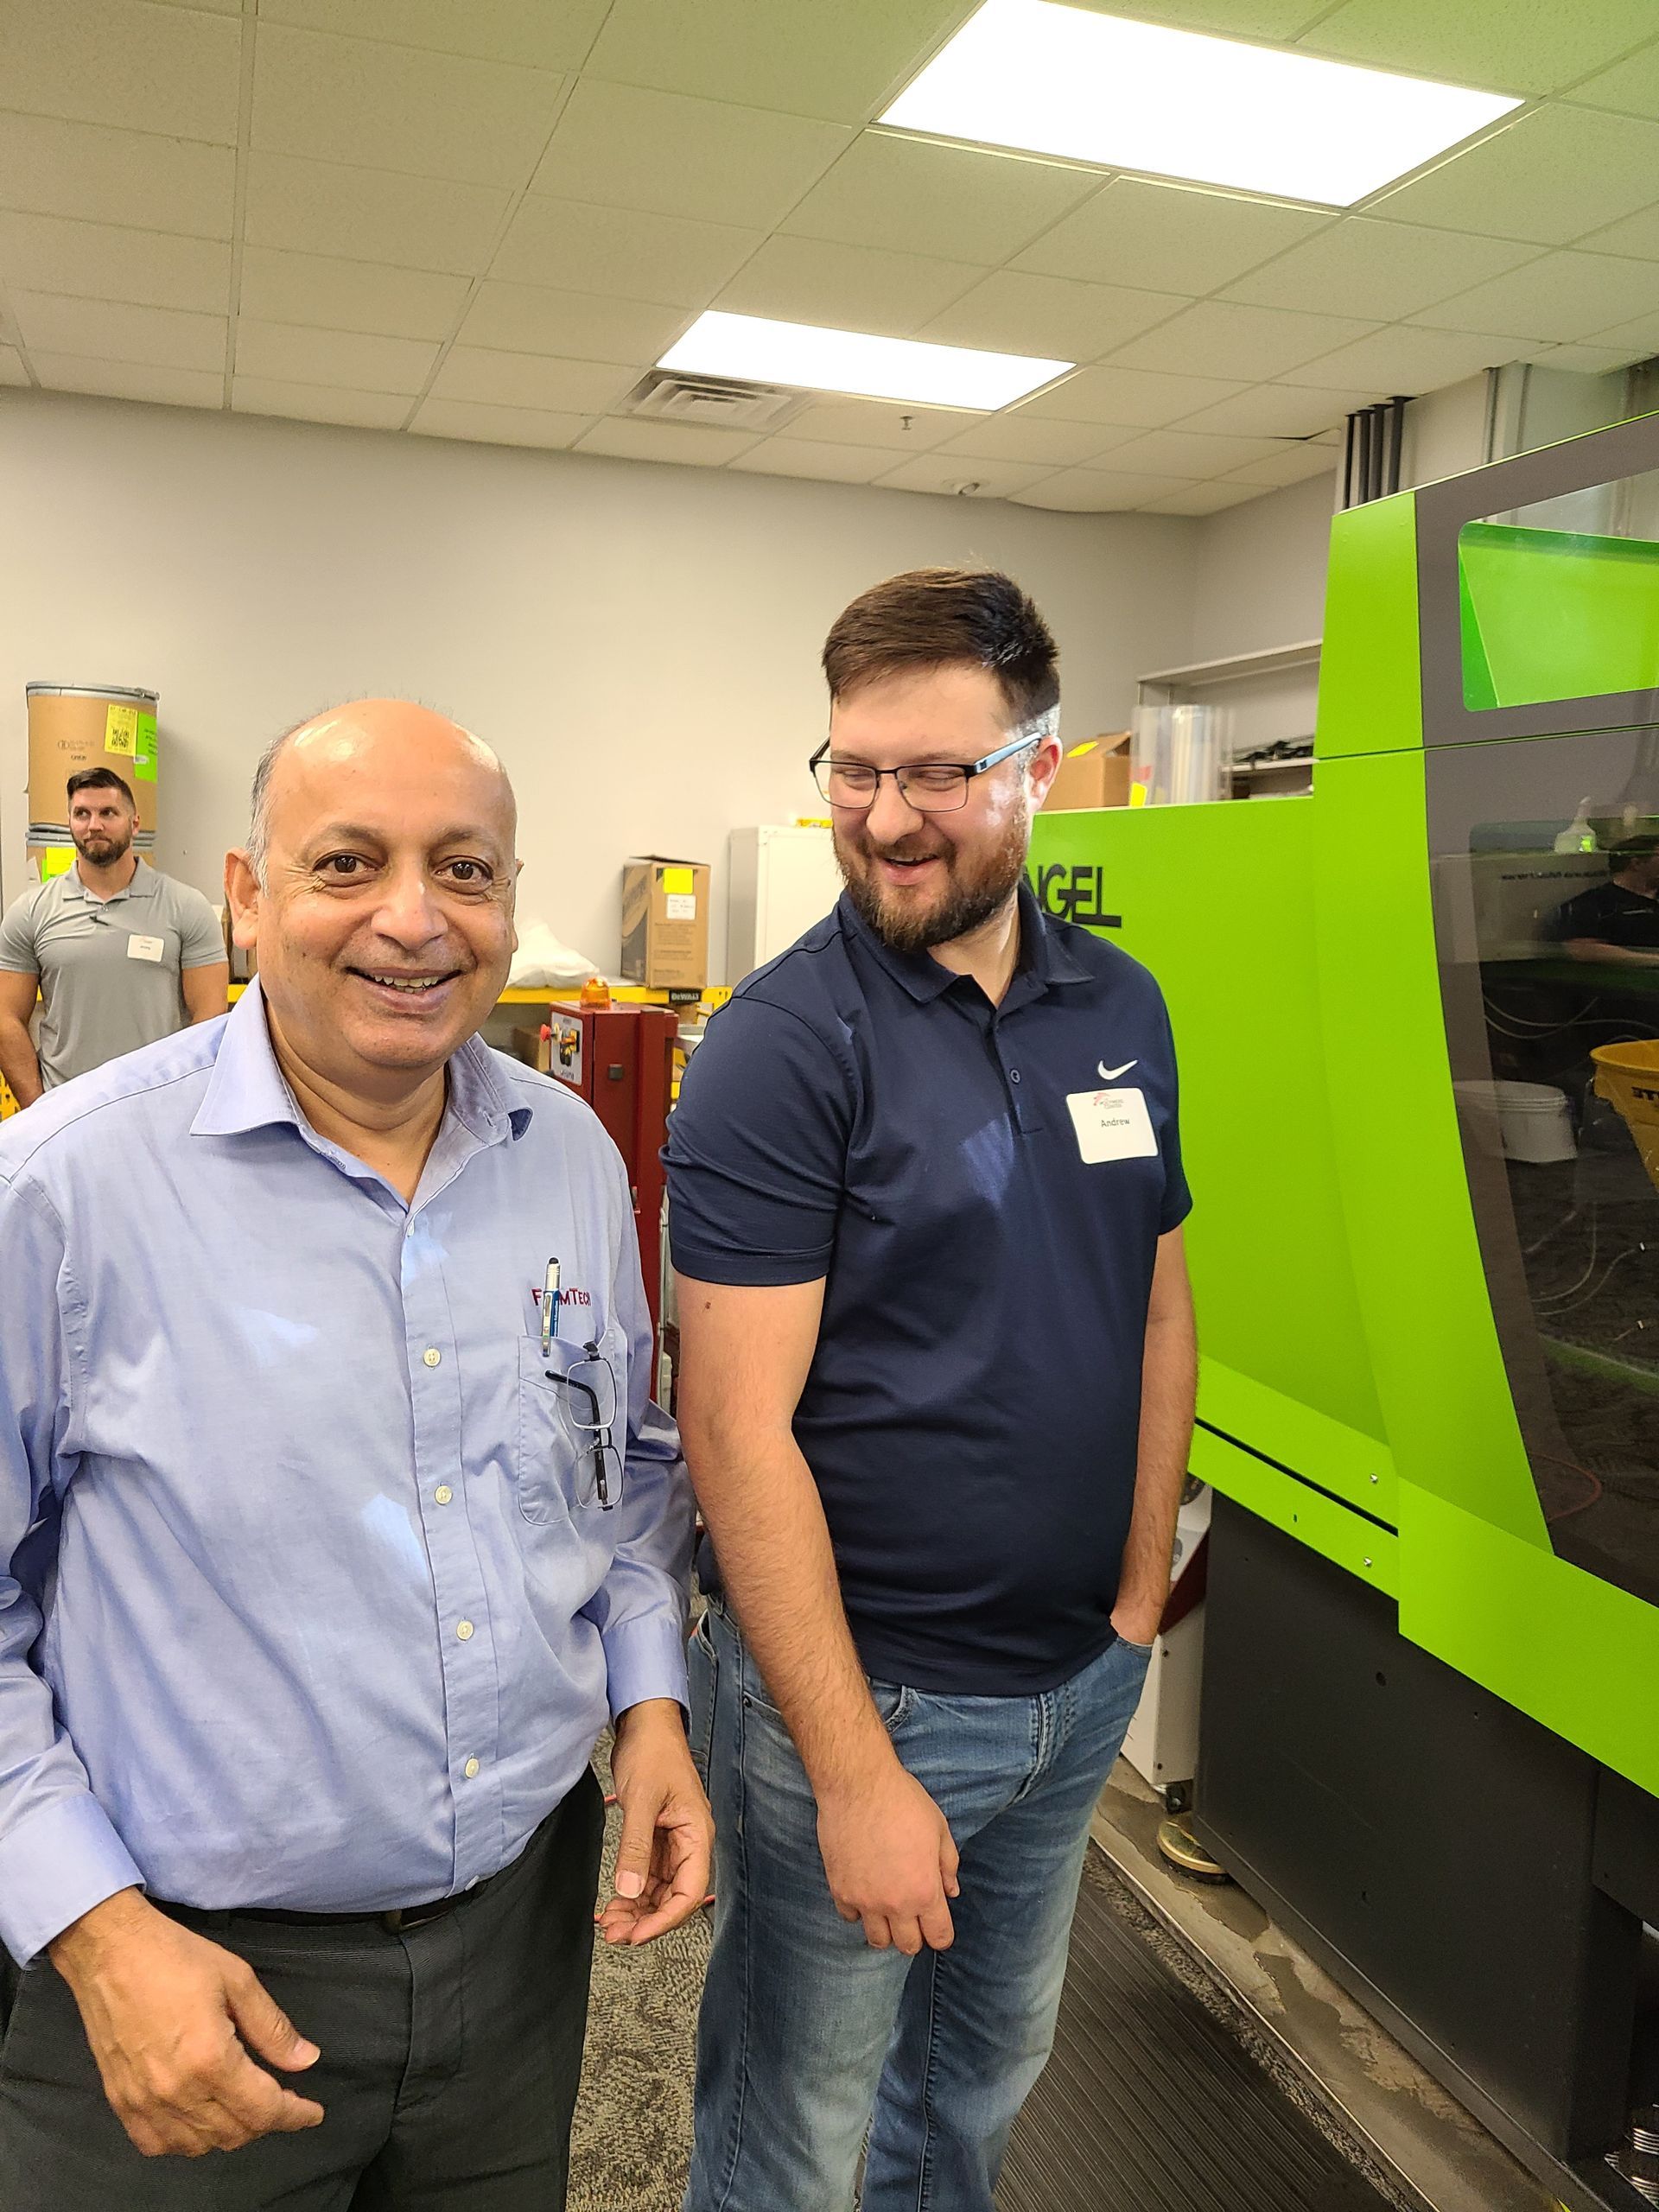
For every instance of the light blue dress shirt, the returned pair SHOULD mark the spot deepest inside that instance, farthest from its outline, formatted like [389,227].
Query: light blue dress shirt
[299,1603]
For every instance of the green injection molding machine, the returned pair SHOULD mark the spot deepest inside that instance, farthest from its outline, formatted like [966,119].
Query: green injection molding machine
[1412,1009]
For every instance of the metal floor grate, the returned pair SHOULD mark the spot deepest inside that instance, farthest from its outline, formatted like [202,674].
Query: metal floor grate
[1152,2102]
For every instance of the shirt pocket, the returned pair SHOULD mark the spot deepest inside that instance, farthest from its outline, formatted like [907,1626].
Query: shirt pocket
[555,1451]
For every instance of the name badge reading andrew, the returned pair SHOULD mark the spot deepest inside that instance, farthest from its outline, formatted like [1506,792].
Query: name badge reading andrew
[145,948]
[1112,1125]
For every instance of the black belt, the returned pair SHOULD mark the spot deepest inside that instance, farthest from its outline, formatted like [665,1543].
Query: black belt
[398,1922]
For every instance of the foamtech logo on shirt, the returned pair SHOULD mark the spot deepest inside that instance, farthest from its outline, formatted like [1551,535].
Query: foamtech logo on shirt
[1073,894]
[563,1297]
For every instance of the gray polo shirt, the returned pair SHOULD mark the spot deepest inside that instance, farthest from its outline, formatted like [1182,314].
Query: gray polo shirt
[109,968]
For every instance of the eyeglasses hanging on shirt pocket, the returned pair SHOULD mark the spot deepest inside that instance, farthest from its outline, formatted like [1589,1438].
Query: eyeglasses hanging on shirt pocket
[589,1387]
[567,1412]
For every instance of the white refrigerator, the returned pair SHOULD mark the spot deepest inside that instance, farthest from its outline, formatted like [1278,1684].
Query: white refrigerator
[780,880]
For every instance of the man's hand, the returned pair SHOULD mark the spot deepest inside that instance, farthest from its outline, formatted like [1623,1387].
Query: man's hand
[890,1858]
[171,2019]
[668,1831]
[1137,1619]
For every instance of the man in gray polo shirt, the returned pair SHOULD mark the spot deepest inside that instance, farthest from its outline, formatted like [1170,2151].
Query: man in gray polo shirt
[122,955]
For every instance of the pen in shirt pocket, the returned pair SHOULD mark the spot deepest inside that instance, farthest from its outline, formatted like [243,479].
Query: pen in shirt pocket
[550,1306]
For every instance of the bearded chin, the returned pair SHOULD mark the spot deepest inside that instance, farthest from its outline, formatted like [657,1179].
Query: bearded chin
[977,887]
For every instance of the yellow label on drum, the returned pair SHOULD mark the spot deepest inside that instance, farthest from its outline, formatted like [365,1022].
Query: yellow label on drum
[121,731]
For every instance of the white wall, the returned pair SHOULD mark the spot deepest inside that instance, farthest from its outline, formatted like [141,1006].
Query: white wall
[638,642]
[1258,579]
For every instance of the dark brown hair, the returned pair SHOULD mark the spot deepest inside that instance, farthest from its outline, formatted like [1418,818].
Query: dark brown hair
[101,779]
[945,618]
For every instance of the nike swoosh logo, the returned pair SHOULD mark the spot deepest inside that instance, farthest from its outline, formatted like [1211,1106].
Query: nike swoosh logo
[1110,1075]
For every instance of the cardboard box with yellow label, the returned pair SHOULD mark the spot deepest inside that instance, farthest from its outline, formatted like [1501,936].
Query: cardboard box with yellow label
[1094,774]
[665,923]
[75,727]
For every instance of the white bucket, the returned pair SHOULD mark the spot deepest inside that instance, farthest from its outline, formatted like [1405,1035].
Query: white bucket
[1523,1120]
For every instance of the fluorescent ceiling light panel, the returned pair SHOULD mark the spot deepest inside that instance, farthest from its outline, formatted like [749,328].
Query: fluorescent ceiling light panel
[1049,79]
[847,360]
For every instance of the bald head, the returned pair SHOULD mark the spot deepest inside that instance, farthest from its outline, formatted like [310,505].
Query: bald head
[388,734]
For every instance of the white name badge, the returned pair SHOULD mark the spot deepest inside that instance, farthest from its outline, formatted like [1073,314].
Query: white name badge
[1112,1125]
[145,948]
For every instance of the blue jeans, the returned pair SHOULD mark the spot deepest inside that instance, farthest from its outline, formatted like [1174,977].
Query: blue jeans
[805,2031]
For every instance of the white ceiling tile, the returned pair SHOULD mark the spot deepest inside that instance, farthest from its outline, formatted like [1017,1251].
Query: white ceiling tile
[1630,86]
[920,195]
[881,422]
[1035,437]
[1560,297]
[826,464]
[529,381]
[1166,238]
[1599,358]
[11,366]
[1402,360]
[627,146]
[355,361]
[1099,491]
[1293,464]
[1548,177]
[176,71]
[1501,46]
[499,426]
[1202,500]
[1634,340]
[839,62]
[171,387]
[1190,453]
[1217,337]
[950,475]
[97,174]
[1128,396]
[424,114]
[531,319]
[621,251]
[678,441]
[105,261]
[1382,270]
[1279,410]
[372,215]
[1013,312]
[316,403]
[213,7]
[101,330]
[546,35]
[1636,234]
[335,295]
[845,287]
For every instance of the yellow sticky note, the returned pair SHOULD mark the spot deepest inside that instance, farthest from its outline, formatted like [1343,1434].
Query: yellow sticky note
[56,860]
[1077,752]
[121,731]
[678,879]
[1137,794]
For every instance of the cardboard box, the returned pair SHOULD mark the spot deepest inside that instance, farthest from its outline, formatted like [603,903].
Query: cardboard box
[534,1050]
[665,923]
[1094,774]
[75,727]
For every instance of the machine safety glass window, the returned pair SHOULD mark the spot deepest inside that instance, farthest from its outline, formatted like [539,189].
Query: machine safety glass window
[1560,600]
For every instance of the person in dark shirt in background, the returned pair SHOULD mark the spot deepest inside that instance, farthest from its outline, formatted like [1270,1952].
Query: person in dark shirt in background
[1617,921]
[937,1392]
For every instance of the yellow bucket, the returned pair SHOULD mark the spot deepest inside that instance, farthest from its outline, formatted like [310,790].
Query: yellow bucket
[1627,1076]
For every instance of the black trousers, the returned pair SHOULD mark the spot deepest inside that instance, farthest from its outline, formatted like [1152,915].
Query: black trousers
[450,2058]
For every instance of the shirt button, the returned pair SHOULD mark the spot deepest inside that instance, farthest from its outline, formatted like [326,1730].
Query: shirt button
[463,1629]
[443,1493]
[470,1768]
[431,1355]
[1013,1075]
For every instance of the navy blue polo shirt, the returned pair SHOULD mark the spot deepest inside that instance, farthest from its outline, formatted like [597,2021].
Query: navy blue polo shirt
[982,1189]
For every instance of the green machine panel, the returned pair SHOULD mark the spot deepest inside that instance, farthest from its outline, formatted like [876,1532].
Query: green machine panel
[1425,1237]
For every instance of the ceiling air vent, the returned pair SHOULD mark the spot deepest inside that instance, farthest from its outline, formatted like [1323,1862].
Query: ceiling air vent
[717,403]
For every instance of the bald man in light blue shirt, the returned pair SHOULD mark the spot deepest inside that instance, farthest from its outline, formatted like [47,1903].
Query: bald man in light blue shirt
[327,1547]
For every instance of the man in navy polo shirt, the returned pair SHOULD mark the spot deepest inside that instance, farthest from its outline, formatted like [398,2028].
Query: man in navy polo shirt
[937,1393]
